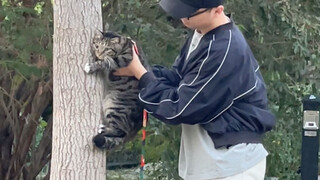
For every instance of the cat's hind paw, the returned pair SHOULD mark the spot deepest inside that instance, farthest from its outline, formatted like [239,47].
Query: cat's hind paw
[101,129]
[99,141]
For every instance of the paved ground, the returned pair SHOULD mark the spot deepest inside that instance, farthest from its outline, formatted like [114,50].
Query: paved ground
[133,174]
[123,174]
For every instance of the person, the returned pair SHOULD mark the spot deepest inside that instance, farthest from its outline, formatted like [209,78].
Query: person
[215,91]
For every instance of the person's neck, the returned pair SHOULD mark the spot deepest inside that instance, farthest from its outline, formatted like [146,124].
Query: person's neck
[215,23]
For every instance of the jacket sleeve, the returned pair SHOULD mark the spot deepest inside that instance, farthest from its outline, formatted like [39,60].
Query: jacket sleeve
[166,75]
[204,93]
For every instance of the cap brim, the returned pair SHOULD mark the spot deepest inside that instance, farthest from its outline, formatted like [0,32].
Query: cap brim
[177,9]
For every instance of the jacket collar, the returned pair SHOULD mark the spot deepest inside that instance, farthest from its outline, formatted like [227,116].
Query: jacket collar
[218,29]
[181,62]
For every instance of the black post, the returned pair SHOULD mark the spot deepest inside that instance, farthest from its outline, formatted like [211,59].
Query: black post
[310,138]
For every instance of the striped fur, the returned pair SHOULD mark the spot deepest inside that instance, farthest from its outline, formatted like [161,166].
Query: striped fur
[122,112]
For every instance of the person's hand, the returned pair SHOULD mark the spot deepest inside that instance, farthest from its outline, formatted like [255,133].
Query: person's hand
[123,72]
[135,68]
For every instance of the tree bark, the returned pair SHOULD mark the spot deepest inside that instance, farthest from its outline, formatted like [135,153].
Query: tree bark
[77,97]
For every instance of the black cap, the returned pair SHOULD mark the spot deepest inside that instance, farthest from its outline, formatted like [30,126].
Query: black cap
[184,8]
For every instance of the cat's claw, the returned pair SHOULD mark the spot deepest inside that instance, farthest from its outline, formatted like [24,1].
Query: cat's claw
[87,68]
[101,128]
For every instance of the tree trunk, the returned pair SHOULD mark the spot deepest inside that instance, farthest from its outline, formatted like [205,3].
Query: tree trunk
[77,97]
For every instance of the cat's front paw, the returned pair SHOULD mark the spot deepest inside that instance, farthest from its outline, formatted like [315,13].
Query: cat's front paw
[101,129]
[87,68]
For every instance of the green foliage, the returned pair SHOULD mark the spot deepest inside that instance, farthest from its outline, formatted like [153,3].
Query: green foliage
[284,36]
[147,24]
[162,147]
[26,44]
[25,62]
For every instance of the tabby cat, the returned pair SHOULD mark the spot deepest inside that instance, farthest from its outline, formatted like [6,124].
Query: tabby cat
[122,111]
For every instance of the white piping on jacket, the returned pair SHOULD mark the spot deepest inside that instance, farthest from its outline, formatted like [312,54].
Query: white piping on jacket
[257,68]
[255,85]
[224,58]
[165,100]
[243,94]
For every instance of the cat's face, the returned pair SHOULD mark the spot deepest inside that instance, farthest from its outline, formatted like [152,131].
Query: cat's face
[106,44]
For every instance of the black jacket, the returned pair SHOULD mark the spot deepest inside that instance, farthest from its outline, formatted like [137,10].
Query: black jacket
[219,86]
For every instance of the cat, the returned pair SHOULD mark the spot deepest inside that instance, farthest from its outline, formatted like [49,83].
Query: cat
[121,108]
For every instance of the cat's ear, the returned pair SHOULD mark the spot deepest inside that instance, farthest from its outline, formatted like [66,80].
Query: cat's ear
[98,34]
[111,35]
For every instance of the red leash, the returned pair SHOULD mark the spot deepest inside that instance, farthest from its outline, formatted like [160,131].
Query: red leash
[144,125]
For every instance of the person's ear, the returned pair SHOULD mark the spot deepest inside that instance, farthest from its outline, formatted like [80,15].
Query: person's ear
[219,9]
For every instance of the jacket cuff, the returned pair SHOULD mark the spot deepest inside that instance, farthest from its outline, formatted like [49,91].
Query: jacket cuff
[146,79]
